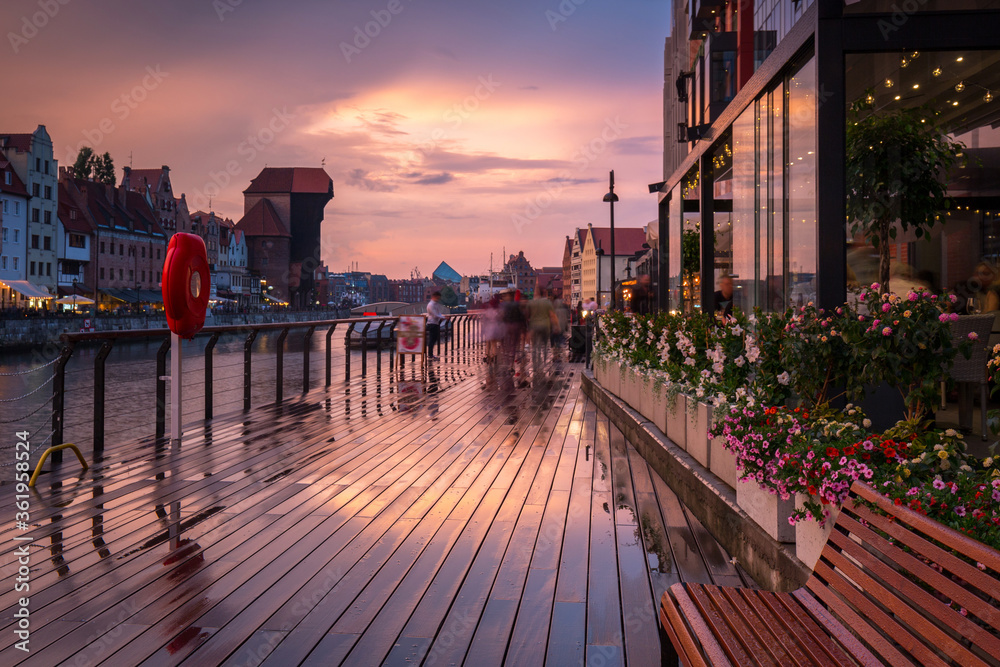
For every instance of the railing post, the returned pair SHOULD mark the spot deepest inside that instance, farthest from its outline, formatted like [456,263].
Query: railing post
[279,368]
[58,400]
[209,347]
[329,354]
[378,347]
[392,348]
[364,349]
[347,352]
[161,388]
[247,346]
[99,394]
[465,332]
[306,343]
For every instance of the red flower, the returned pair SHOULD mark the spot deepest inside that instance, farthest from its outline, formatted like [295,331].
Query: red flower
[890,453]
[832,452]
[898,501]
[849,451]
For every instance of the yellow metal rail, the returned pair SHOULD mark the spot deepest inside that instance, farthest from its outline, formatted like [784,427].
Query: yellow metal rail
[56,448]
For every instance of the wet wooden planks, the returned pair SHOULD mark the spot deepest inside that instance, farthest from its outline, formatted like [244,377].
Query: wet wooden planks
[459,520]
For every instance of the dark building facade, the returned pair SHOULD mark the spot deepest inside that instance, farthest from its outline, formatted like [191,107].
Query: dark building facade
[295,196]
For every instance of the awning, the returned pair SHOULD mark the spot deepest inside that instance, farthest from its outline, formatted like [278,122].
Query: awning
[27,289]
[81,289]
[133,296]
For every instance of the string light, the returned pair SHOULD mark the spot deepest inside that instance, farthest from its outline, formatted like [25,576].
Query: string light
[904,62]
[889,82]
[988,97]
[937,71]
[915,55]
[870,99]
[960,86]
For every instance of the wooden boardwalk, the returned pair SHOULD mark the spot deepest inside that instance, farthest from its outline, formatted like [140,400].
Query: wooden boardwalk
[456,520]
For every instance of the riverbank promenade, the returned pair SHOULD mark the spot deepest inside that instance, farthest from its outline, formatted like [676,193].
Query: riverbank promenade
[459,517]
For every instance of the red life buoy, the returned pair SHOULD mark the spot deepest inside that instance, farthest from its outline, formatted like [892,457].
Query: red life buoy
[186,284]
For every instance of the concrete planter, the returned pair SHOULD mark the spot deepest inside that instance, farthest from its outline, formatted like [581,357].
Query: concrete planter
[677,421]
[659,399]
[630,386]
[647,403]
[810,538]
[697,424]
[723,462]
[767,510]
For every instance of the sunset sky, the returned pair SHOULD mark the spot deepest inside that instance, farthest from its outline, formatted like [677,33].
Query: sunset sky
[458,129]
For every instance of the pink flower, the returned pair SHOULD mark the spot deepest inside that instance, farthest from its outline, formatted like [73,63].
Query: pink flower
[876,286]
[914,296]
[973,335]
[886,307]
[943,317]
[887,331]
[953,317]
[960,510]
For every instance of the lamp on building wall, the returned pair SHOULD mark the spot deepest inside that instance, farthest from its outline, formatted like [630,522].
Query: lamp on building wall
[611,198]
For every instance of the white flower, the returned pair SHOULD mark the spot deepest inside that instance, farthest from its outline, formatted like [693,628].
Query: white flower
[784,378]
[951,433]
[700,392]
[740,361]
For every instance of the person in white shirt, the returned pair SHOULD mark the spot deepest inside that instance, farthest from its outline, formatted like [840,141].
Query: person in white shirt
[435,316]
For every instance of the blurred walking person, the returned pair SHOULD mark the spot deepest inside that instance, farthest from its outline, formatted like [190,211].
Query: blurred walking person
[541,323]
[435,316]
[559,334]
[492,329]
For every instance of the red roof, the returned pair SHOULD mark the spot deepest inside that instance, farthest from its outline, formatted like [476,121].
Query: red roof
[628,240]
[67,203]
[20,142]
[291,179]
[262,220]
[16,186]
[138,178]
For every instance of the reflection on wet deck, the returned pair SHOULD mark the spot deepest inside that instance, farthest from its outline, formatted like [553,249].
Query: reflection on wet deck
[451,519]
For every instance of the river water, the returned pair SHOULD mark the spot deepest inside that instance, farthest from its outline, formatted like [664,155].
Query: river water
[130,384]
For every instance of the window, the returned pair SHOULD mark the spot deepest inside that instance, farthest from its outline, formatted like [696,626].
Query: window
[131,275]
[48,189]
[72,214]
[38,164]
[77,241]
[48,268]
[263,261]
[34,241]
[121,249]
[102,273]
[157,253]
[17,208]
[35,190]
[143,274]
[157,276]
[5,207]
[17,263]
[47,242]
[47,171]
[4,234]
[34,215]
[17,236]
[121,274]
[6,178]
[144,252]
[102,247]
[48,217]
[32,266]
[3,262]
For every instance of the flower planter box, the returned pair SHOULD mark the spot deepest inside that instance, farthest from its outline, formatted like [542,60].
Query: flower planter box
[697,424]
[647,407]
[629,393]
[677,421]
[723,462]
[768,510]
[659,398]
[810,538]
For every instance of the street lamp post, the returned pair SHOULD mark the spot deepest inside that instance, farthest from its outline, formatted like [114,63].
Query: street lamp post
[611,198]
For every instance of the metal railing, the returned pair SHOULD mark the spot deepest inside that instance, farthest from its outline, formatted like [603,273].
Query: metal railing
[464,331]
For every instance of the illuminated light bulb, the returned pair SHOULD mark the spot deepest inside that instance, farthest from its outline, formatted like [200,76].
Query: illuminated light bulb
[937,71]
[889,82]
[988,97]
[870,99]
[915,55]
[915,86]
[954,104]
[897,97]
[959,59]
[904,62]
[960,86]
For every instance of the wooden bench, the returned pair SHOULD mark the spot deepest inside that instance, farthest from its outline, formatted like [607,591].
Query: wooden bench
[870,601]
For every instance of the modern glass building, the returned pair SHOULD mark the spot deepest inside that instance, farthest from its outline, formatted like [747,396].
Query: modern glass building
[762,102]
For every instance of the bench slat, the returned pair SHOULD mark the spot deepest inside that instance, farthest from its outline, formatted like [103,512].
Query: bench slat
[730,643]
[919,599]
[809,631]
[684,615]
[882,596]
[971,575]
[947,536]
[762,624]
[858,624]
[743,631]
[935,579]
[788,624]
[874,616]
[847,640]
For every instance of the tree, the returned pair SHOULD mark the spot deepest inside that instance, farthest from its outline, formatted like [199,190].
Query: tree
[897,174]
[104,169]
[84,164]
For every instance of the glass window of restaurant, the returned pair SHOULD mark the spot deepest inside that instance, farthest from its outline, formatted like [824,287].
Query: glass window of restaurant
[801,161]
[956,92]
[674,216]
[744,211]
[691,241]
[722,209]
